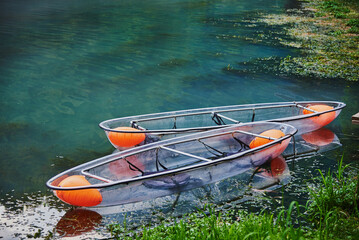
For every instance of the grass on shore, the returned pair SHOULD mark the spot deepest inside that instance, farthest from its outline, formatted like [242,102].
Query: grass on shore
[333,204]
[330,213]
[207,224]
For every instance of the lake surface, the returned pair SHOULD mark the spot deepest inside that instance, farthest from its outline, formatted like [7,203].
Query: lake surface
[67,65]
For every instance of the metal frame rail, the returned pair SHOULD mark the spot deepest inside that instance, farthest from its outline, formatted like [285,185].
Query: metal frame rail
[165,147]
[134,123]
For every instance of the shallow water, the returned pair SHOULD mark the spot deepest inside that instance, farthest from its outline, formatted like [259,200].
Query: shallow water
[67,65]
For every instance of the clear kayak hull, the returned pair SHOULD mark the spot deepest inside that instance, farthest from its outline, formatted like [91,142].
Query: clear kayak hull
[307,116]
[173,165]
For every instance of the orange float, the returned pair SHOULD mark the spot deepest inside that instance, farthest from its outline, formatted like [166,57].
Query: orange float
[259,141]
[83,197]
[126,139]
[320,137]
[322,119]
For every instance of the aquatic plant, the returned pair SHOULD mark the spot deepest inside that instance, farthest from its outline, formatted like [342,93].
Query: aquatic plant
[337,9]
[330,47]
[354,25]
[324,32]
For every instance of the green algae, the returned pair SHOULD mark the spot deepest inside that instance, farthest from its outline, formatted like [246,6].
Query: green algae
[10,128]
[328,41]
[325,33]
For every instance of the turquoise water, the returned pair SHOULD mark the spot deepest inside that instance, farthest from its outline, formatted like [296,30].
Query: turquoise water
[67,65]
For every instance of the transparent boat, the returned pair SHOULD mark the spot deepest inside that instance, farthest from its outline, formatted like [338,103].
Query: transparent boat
[169,166]
[240,188]
[306,116]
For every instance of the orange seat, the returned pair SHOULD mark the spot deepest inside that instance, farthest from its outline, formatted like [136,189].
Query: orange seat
[259,141]
[322,119]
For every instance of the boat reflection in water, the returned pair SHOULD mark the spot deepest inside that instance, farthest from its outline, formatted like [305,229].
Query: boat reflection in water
[77,222]
[235,189]
[312,143]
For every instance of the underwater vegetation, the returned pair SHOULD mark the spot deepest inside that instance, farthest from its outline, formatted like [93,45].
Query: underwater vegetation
[326,34]
[329,40]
